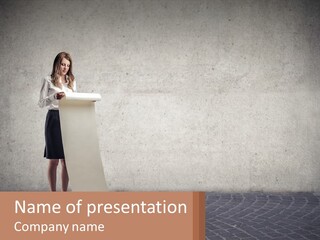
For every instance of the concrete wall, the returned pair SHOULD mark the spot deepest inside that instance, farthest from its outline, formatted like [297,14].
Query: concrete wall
[196,94]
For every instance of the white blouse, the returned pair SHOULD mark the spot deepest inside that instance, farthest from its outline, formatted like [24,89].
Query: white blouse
[48,93]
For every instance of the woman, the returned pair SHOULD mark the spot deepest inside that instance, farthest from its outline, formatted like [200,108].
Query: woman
[53,89]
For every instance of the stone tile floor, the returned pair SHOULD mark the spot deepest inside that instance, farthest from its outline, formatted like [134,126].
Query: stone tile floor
[262,216]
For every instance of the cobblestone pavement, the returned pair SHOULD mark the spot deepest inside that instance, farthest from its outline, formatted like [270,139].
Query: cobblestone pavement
[262,216]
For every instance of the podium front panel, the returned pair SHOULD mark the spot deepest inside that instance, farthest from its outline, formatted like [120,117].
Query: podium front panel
[81,145]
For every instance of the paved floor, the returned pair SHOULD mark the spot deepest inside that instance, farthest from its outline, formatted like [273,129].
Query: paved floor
[262,216]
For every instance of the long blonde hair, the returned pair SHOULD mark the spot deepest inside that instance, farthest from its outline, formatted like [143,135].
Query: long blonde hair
[56,70]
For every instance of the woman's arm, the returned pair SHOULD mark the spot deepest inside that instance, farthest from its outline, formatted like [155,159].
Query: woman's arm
[45,99]
[74,86]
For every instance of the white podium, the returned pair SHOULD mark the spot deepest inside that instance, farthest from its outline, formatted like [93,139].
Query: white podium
[80,142]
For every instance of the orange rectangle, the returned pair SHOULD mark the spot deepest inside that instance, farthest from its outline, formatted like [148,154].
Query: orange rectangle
[102,215]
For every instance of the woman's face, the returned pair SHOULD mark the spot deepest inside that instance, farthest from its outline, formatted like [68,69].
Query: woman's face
[64,67]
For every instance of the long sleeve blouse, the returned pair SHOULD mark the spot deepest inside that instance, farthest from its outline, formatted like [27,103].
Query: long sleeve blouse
[48,93]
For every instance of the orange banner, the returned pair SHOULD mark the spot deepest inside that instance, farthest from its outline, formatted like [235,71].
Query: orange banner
[102,215]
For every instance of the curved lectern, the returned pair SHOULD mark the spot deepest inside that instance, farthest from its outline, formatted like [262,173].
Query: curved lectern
[80,141]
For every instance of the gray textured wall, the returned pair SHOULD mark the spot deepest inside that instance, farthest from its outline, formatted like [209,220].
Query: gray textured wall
[197,94]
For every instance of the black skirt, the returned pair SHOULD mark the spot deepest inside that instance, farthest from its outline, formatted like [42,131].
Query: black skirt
[54,146]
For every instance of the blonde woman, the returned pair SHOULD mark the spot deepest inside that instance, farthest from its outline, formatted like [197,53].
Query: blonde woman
[53,89]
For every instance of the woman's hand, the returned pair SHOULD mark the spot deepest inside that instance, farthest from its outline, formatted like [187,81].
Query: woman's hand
[60,95]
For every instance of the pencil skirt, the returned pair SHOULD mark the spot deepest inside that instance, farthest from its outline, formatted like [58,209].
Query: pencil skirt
[53,139]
